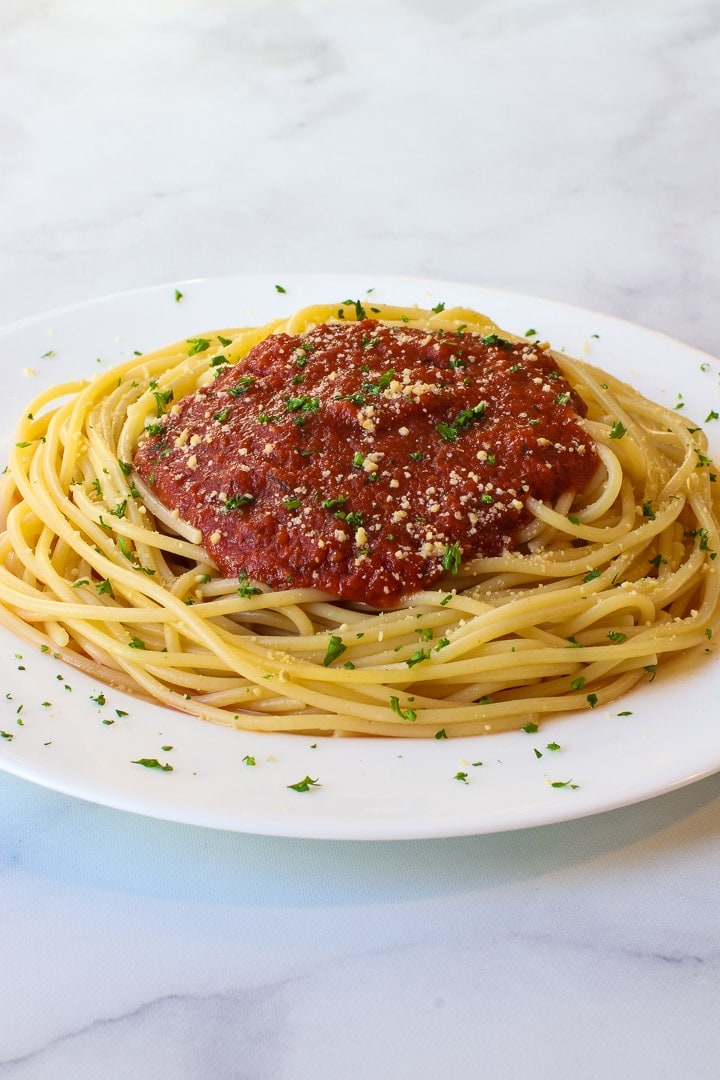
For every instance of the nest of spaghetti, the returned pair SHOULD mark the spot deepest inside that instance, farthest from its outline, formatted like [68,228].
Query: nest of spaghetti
[397,543]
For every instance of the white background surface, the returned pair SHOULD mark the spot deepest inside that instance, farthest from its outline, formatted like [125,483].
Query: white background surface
[565,151]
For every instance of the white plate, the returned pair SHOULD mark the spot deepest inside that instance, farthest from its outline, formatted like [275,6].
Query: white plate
[367,788]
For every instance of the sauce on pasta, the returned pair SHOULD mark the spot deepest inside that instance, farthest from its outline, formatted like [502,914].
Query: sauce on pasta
[368,460]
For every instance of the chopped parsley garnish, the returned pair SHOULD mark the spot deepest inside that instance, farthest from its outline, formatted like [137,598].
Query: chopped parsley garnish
[335,648]
[495,339]
[446,431]
[238,502]
[451,558]
[245,589]
[243,384]
[463,420]
[197,345]
[162,400]
[305,784]
[404,714]
[332,504]
[304,404]
[152,763]
[360,312]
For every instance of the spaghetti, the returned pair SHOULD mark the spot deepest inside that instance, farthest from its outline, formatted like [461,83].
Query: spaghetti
[581,590]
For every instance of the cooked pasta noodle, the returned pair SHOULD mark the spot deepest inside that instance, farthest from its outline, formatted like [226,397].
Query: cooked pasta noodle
[602,586]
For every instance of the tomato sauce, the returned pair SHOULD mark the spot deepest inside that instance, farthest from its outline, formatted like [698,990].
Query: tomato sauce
[366,460]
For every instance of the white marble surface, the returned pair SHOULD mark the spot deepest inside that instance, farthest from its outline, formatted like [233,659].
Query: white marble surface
[564,150]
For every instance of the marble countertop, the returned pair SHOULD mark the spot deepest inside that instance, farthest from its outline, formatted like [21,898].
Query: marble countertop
[564,151]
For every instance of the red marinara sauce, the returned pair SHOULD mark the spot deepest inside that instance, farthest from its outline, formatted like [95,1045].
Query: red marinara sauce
[368,460]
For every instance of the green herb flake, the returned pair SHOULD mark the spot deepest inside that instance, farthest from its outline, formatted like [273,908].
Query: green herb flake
[249,760]
[530,727]
[243,384]
[404,714]
[618,430]
[305,784]
[152,763]
[197,345]
[452,557]
[335,648]
[237,502]
[417,657]
[245,589]
[162,400]
[360,312]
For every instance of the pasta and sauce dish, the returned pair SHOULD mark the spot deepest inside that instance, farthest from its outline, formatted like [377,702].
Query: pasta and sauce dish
[363,519]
